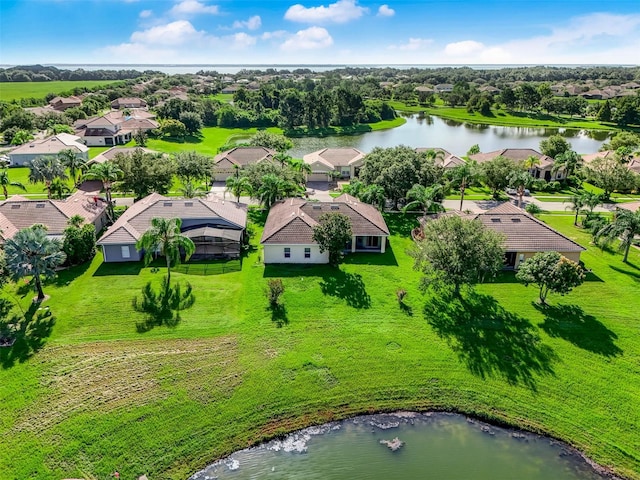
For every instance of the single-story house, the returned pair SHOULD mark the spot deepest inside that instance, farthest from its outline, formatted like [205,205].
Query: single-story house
[24,154]
[225,164]
[632,206]
[62,103]
[525,235]
[444,88]
[448,159]
[114,128]
[113,151]
[215,226]
[519,155]
[342,162]
[288,231]
[19,212]
[128,102]
[633,164]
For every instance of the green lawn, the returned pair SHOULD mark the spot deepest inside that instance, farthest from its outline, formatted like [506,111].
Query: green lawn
[34,190]
[99,396]
[17,90]
[503,117]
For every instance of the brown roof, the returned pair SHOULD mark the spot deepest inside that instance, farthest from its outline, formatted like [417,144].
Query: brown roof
[448,160]
[514,154]
[633,206]
[123,101]
[51,145]
[335,157]
[112,152]
[137,218]
[291,221]
[525,233]
[242,156]
[633,164]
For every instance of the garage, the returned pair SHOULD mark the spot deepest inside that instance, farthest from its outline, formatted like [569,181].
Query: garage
[317,177]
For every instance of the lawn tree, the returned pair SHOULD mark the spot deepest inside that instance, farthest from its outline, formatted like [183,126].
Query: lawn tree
[189,190]
[46,169]
[332,234]
[609,175]
[238,186]
[521,180]
[59,189]
[568,161]
[145,173]
[140,138]
[463,176]
[192,122]
[373,195]
[173,128]
[554,146]
[428,199]
[457,252]
[79,242]
[32,253]
[71,160]
[495,174]
[164,237]
[274,141]
[622,139]
[473,149]
[275,188]
[624,226]
[551,272]
[108,173]
[21,137]
[193,167]
[6,182]
[577,205]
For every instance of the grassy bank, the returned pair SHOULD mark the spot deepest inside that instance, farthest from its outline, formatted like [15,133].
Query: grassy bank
[99,396]
[506,118]
[17,90]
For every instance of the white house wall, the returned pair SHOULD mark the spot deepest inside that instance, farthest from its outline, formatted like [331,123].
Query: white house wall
[275,254]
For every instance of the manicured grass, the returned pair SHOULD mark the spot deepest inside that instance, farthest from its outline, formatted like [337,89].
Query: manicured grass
[34,190]
[17,90]
[506,118]
[471,193]
[208,143]
[99,396]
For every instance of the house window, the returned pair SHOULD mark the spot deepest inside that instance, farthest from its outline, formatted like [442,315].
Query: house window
[307,252]
[287,252]
[125,252]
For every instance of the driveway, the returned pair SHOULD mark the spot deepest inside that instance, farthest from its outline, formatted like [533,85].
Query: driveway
[319,191]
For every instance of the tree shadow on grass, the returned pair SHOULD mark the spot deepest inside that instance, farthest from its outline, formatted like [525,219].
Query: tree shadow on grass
[347,286]
[633,275]
[28,333]
[162,308]
[401,224]
[571,323]
[363,258]
[279,315]
[491,341]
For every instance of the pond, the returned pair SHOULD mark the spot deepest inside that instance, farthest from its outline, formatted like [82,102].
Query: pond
[437,446]
[456,137]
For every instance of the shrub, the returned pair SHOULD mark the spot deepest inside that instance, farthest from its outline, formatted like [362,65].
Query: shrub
[533,209]
[275,288]
[400,294]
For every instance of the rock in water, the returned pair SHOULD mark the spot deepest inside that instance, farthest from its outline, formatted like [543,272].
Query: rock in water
[394,444]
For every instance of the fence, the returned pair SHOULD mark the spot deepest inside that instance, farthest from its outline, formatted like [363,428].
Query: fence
[209,268]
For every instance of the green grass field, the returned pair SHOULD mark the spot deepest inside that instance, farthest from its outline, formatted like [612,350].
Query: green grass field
[505,118]
[89,394]
[17,90]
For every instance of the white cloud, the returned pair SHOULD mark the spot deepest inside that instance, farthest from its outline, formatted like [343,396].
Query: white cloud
[253,23]
[146,13]
[243,40]
[273,35]
[342,11]
[465,47]
[308,39]
[413,44]
[174,33]
[386,11]
[193,7]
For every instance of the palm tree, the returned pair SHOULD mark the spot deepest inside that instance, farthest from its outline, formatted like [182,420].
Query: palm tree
[577,205]
[427,198]
[463,176]
[591,200]
[625,226]
[189,190]
[107,173]
[6,182]
[76,221]
[239,185]
[531,163]
[521,180]
[570,161]
[46,169]
[374,195]
[32,252]
[273,188]
[72,161]
[165,237]
[282,158]
[59,189]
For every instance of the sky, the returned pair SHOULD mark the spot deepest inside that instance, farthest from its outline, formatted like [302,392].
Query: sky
[319,32]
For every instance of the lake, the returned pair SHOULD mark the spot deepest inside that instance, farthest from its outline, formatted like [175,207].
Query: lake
[437,446]
[456,137]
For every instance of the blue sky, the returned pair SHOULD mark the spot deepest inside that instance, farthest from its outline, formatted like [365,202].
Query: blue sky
[320,31]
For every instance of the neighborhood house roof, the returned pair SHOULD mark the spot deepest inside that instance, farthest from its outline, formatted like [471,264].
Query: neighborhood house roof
[243,156]
[334,157]
[448,160]
[137,219]
[291,221]
[515,154]
[633,164]
[51,145]
[633,206]
[112,152]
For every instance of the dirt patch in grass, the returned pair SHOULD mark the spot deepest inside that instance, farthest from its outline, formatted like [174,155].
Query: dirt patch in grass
[109,376]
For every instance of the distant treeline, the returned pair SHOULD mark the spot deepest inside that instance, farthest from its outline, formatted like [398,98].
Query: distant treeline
[38,73]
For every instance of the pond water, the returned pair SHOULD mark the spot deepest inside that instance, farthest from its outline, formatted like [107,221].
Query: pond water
[456,137]
[437,446]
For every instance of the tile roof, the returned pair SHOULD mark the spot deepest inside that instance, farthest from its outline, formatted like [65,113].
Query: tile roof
[137,218]
[291,221]
[242,156]
[515,154]
[51,145]
[335,157]
[112,152]
[447,161]
[633,206]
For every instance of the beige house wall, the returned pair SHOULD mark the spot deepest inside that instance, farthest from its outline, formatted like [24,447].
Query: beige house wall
[522,256]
